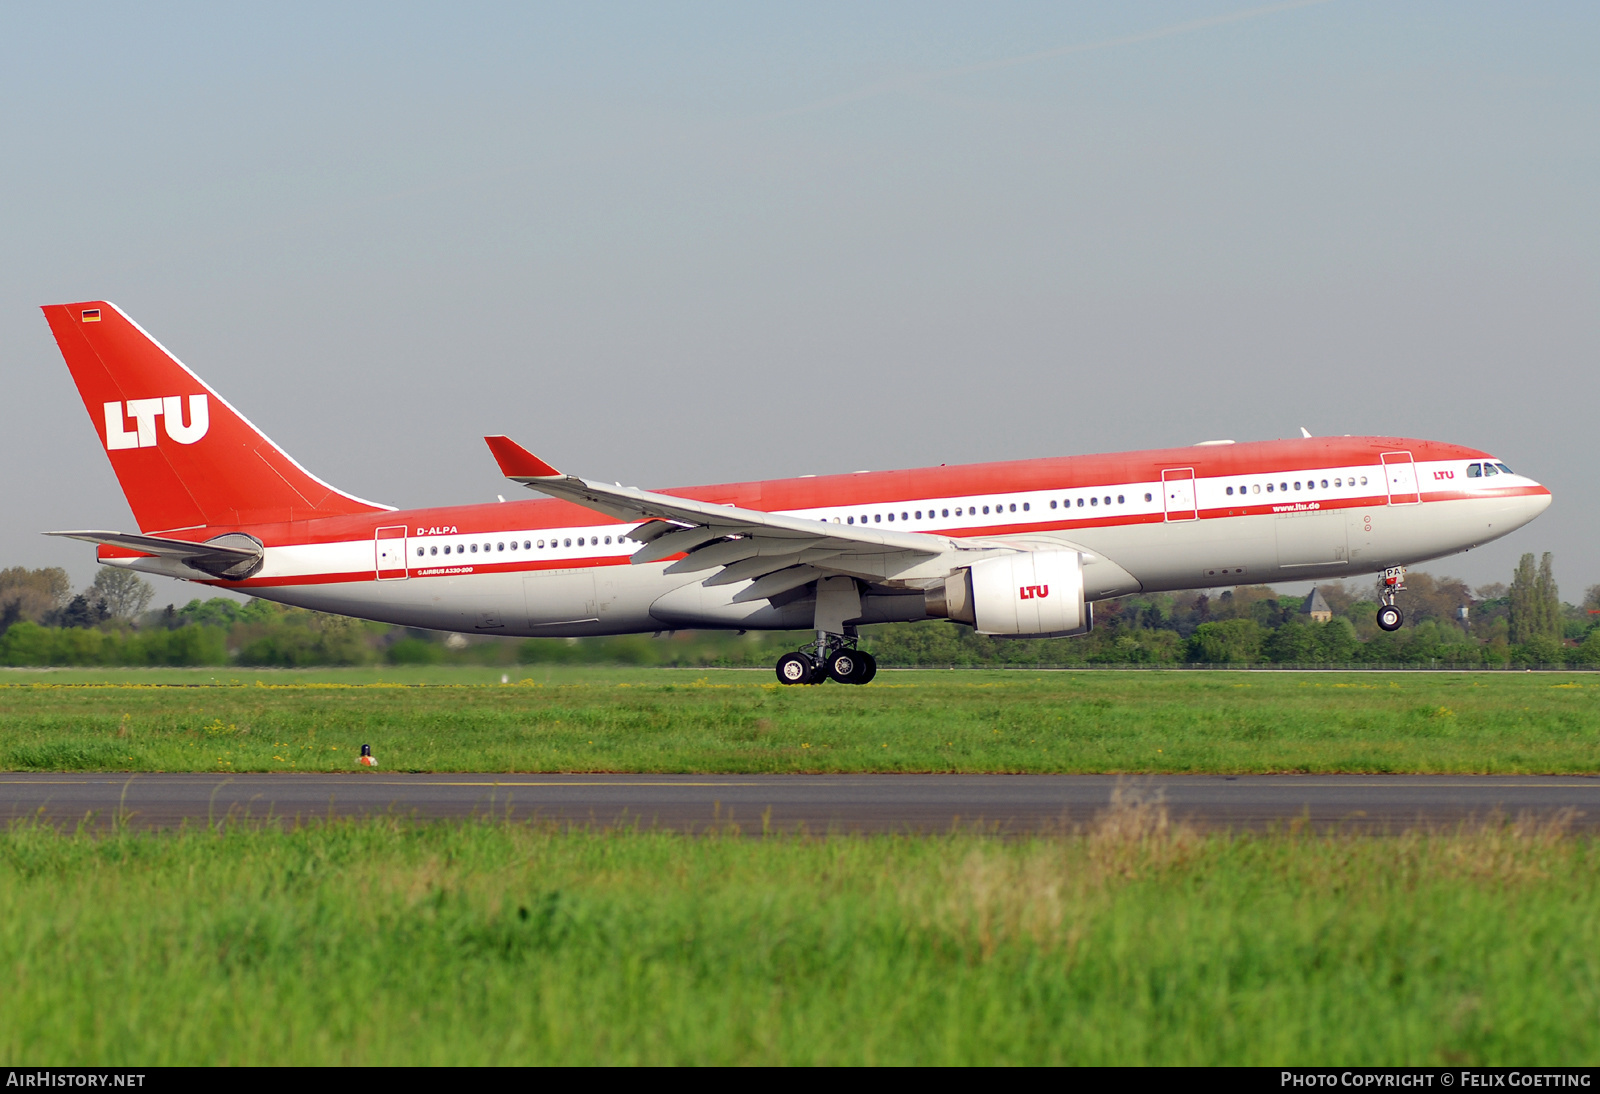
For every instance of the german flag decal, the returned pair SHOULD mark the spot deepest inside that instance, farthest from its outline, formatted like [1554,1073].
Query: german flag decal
[91,315]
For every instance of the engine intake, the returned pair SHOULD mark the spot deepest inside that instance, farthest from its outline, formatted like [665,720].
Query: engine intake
[1029,594]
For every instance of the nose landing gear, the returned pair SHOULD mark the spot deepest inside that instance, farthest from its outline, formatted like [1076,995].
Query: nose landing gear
[1390,617]
[834,658]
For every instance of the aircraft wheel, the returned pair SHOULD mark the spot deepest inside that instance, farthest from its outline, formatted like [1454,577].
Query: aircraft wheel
[1390,617]
[845,666]
[866,667]
[795,668]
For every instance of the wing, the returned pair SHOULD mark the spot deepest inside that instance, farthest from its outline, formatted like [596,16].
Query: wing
[234,556]
[776,552]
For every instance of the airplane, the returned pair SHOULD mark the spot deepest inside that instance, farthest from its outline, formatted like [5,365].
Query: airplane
[1018,549]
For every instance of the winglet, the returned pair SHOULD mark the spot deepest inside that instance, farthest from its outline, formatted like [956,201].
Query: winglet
[517,462]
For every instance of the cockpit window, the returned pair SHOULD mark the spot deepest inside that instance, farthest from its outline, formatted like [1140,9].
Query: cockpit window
[1474,470]
[1504,469]
[1488,469]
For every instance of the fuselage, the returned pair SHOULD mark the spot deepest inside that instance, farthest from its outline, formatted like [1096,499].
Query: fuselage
[1186,518]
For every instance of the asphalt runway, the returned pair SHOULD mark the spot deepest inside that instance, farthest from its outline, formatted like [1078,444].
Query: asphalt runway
[1011,804]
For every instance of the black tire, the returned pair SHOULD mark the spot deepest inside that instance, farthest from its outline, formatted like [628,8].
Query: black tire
[1390,618]
[866,667]
[795,668]
[844,666]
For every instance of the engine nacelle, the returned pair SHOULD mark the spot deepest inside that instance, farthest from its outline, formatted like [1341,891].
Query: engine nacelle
[1029,594]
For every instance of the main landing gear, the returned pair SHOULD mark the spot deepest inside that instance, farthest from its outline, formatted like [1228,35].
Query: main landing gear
[1389,616]
[834,658]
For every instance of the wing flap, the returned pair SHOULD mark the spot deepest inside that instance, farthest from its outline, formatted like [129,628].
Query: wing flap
[778,583]
[749,568]
[674,543]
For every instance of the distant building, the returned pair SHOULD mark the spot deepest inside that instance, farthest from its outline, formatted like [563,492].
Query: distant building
[1316,607]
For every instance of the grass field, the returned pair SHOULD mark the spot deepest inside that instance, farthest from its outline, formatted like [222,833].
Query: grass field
[1133,942]
[732,721]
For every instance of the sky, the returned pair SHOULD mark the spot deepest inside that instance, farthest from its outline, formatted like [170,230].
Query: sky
[667,244]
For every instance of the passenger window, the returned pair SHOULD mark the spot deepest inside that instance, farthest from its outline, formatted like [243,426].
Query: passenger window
[891,518]
[944,512]
[1108,499]
[1147,497]
[527,545]
[985,510]
[1094,501]
[1230,491]
[1119,499]
[849,520]
[1052,504]
[608,539]
[877,518]
[1025,507]
[474,548]
[1013,507]
[1283,486]
[1269,488]
[1080,503]
[919,514]
[433,550]
[1324,484]
[497,547]
[1297,485]
[568,543]
[1256,489]
[1363,480]
[420,551]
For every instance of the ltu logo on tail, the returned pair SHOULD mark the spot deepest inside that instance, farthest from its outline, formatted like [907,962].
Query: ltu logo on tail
[144,413]
[1029,592]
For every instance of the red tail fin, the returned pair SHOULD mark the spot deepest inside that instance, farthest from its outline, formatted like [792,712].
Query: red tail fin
[202,463]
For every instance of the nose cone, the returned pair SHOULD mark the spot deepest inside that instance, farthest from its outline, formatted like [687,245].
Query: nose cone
[1520,510]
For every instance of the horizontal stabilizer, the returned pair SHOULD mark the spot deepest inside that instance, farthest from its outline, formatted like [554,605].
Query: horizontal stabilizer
[234,556]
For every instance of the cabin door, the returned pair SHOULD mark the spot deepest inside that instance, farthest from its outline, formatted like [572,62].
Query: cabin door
[390,547]
[1401,475]
[1177,489]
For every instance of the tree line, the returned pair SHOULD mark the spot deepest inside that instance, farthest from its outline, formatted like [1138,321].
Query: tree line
[43,622]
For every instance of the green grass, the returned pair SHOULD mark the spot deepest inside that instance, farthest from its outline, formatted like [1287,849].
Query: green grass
[1134,942]
[731,721]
